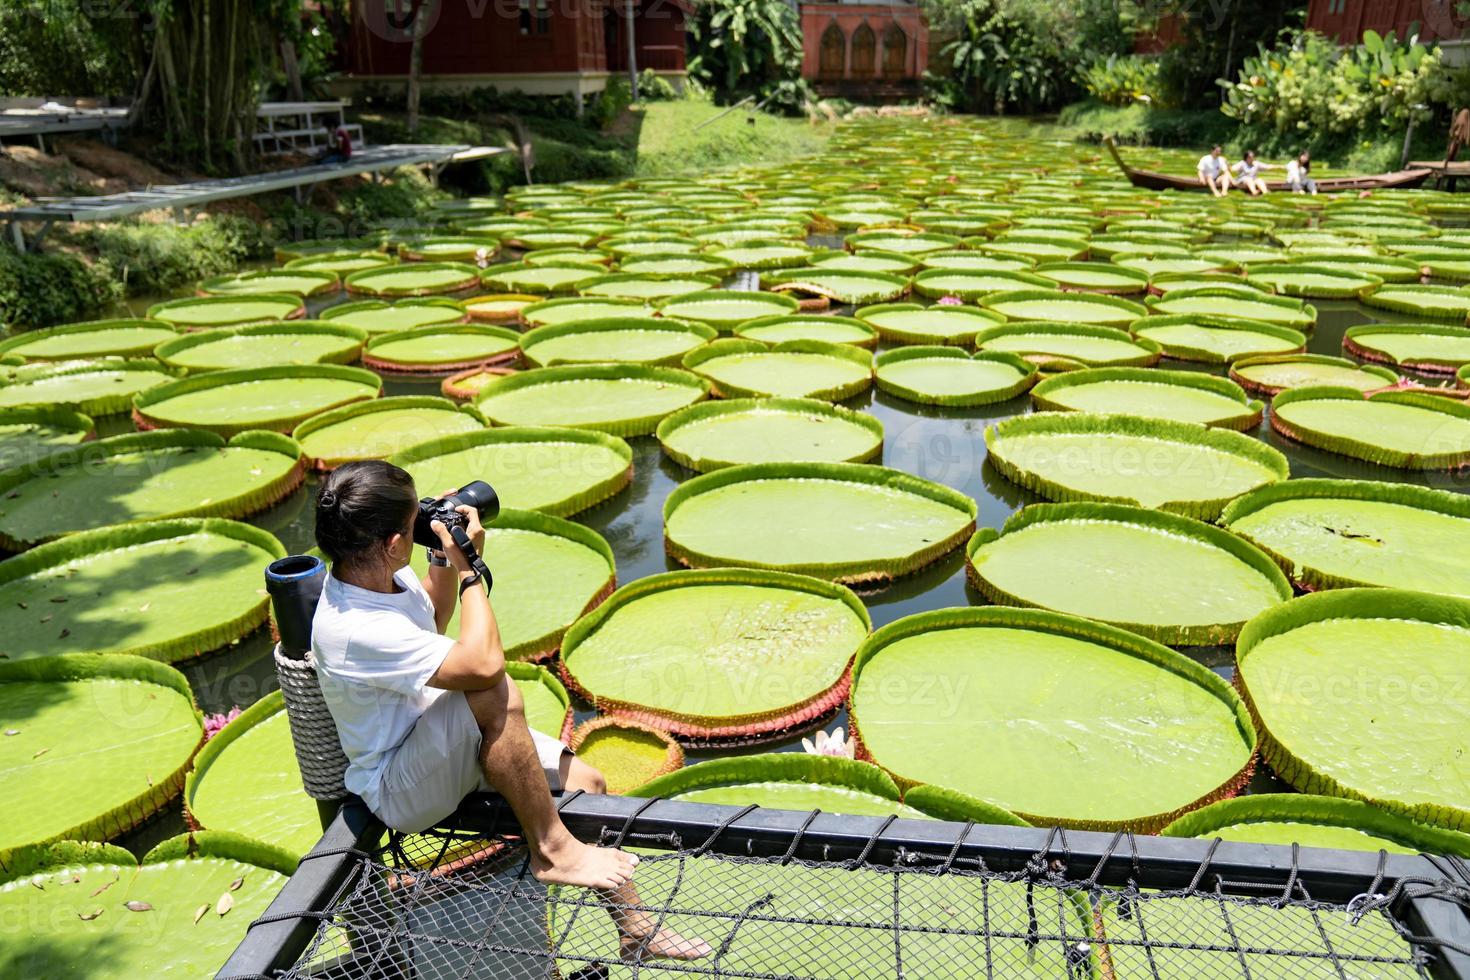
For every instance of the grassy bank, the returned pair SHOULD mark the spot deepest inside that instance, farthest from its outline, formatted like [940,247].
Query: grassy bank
[671,140]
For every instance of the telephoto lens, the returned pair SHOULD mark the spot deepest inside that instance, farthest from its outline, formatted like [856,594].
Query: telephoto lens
[478,494]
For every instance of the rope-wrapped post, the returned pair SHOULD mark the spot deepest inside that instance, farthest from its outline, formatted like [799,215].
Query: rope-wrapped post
[295,585]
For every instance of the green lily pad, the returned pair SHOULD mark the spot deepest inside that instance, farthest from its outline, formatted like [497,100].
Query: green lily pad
[263,345]
[948,376]
[627,753]
[441,350]
[548,707]
[230,402]
[1431,302]
[867,260]
[1170,281]
[1432,348]
[905,243]
[144,476]
[1068,345]
[1172,579]
[413,279]
[715,434]
[1094,277]
[1102,729]
[1312,281]
[675,264]
[972,261]
[639,340]
[497,307]
[527,277]
[376,316]
[340,263]
[1056,306]
[806,326]
[469,248]
[1179,467]
[621,399]
[1217,339]
[714,631]
[1182,396]
[1042,249]
[572,309]
[847,286]
[649,289]
[1247,303]
[102,387]
[850,522]
[556,471]
[1389,268]
[100,338]
[302,282]
[794,369]
[171,590]
[1404,429]
[228,311]
[1316,821]
[100,744]
[1331,534]
[1277,372]
[910,323]
[1182,264]
[27,434]
[381,427]
[725,309]
[762,254]
[1313,669]
[972,285]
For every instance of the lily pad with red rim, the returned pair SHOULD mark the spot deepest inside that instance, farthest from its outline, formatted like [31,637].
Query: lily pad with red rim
[413,279]
[442,349]
[1272,373]
[376,316]
[1428,347]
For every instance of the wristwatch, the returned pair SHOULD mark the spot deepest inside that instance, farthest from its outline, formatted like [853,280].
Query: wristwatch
[436,557]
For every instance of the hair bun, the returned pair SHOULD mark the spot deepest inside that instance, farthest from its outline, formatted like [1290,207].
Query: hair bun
[327,499]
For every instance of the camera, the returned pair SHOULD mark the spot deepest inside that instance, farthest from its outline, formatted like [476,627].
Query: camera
[479,495]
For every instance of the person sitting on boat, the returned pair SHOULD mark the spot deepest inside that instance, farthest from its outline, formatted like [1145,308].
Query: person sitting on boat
[1248,173]
[1214,173]
[1298,174]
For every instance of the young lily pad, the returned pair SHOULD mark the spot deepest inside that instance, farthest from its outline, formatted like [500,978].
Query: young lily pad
[381,427]
[1217,339]
[716,630]
[171,590]
[1179,467]
[263,345]
[1316,821]
[548,705]
[1277,372]
[1331,534]
[1094,277]
[497,307]
[910,323]
[1182,396]
[621,399]
[628,754]
[646,289]
[715,434]
[1314,668]
[527,277]
[806,326]
[1431,302]
[230,402]
[1312,281]
[572,309]
[1403,429]
[102,387]
[849,522]
[302,282]
[1081,704]
[143,476]
[972,285]
[1428,347]
[1246,303]
[1068,345]
[228,311]
[630,339]
[100,338]
[413,279]
[376,316]
[441,350]
[28,433]
[99,745]
[1056,306]
[725,309]
[948,376]
[556,471]
[848,286]
[794,369]
[1172,579]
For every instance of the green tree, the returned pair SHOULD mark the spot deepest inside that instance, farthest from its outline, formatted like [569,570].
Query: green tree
[745,46]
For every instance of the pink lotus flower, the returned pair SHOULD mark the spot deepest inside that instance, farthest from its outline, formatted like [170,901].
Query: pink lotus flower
[213,723]
[836,744]
[949,301]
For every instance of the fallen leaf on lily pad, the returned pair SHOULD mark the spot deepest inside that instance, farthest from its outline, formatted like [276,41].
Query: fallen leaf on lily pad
[88,916]
[235,885]
[225,903]
[201,912]
[136,906]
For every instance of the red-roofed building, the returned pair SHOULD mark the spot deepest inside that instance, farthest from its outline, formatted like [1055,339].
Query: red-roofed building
[872,51]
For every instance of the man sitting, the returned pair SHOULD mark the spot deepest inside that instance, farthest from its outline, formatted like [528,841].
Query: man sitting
[1214,173]
[339,144]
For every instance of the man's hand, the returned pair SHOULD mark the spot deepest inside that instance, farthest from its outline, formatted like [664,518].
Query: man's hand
[446,543]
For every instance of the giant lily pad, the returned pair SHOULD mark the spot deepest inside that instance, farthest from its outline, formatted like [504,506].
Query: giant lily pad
[850,522]
[679,650]
[949,376]
[1172,579]
[102,387]
[145,476]
[1056,306]
[972,284]
[1312,281]
[448,248]
[675,264]
[1184,396]
[413,279]
[725,309]
[376,316]
[340,263]
[1245,303]
[1431,302]
[794,369]
[230,402]
[99,745]
[100,338]
[761,254]
[170,590]
[1083,724]
[1271,373]
[1180,467]
[228,311]
[1404,429]
[1094,277]
[849,286]
[809,326]
[571,309]
[263,345]
[631,285]
[548,706]
[527,277]
[1332,534]
[621,399]
[28,433]
[441,350]
[1069,345]
[497,307]
[1432,348]
[379,428]
[642,340]
[302,282]
[1316,821]
[1315,669]
[78,904]
[715,434]
[557,471]
[910,323]
[626,753]
[1217,339]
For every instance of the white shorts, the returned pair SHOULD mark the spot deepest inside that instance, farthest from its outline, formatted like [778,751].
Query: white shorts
[438,765]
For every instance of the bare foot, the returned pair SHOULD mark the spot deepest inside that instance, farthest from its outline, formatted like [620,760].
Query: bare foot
[571,862]
[663,945]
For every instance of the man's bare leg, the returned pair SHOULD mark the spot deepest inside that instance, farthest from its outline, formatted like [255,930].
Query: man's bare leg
[508,757]
[641,937]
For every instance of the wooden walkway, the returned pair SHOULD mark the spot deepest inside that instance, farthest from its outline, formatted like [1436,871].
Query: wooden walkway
[178,197]
[1445,174]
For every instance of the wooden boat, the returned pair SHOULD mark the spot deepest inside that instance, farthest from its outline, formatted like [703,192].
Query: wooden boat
[1155,181]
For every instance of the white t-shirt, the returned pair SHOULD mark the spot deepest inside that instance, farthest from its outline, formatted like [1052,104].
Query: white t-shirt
[1211,165]
[375,653]
[1246,170]
[1294,173]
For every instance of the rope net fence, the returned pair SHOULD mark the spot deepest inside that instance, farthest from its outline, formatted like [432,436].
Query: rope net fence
[460,905]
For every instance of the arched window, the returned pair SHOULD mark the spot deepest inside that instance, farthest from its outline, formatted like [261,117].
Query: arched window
[895,52]
[864,47]
[834,52]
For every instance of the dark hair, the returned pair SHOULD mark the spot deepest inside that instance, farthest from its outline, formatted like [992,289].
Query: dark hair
[1249,153]
[361,505]
[1216,147]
